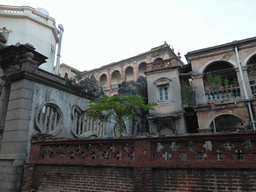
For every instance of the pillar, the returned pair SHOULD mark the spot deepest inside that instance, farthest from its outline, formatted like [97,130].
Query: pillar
[18,64]
[199,89]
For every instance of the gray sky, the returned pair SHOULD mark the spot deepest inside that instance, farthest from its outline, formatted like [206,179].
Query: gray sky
[99,32]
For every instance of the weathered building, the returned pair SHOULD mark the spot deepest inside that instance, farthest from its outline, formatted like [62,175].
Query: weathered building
[109,76]
[32,101]
[68,71]
[223,81]
[25,24]
[212,94]
[164,88]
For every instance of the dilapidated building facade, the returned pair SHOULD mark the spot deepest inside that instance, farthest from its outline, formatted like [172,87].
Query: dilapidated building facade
[212,96]
[214,92]
[223,81]
[109,76]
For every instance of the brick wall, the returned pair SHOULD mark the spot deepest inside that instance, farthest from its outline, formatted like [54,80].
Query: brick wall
[213,162]
[202,180]
[81,178]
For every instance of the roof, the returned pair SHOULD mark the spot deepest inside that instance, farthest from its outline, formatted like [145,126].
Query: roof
[68,66]
[165,45]
[233,43]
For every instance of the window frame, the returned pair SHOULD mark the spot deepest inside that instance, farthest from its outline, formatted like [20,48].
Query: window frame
[164,89]
[163,82]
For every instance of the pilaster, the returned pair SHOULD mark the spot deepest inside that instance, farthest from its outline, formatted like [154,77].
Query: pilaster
[199,89]
[17,103]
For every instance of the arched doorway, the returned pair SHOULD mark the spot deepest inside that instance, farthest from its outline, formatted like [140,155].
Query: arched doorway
[115,79]
[222,69]
[103,81]
[227,123]
[129,74]
[220,82]
[142,69]
[252,69]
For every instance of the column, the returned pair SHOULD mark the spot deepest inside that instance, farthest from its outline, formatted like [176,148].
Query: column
[199,89]
[135,72]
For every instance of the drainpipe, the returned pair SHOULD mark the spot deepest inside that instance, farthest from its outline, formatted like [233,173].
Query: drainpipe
[244,86]
[213,118]
[57,68]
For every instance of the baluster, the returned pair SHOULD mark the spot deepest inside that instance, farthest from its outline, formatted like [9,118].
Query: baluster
[208,96]
[227,94]
[40,120]
[50,120]
[222,94]
[253,89]
[75,120]
[55,120]
[91,124]
[232,93]
[218,95]
[237,92]
[80,124]
[84,123]
[87,123]
[46,119]
[213,95]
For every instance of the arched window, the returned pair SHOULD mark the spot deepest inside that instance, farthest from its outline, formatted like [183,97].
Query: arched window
[252,72]
[129,74]
[142,69]
[227,123]
[219,73]
[163,89]
[103,81]
[158,59]
[115,79]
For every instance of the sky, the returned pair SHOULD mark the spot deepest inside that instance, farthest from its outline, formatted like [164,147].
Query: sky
[100,32]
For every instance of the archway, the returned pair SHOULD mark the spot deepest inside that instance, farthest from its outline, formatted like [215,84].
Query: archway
[103,81]
[220,71]
[129,74]
[252,72]
[115,79]
[227,123]
[142,69]
[158,59]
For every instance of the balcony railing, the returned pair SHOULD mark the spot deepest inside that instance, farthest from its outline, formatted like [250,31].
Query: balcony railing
[222,95]
[27,11]
[163,64]
[114,86]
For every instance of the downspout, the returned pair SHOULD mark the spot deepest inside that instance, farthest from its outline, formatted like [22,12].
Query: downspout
[57,68]
[213,119]
[244,86]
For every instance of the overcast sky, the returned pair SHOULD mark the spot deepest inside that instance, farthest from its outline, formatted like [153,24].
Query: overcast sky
[99,32]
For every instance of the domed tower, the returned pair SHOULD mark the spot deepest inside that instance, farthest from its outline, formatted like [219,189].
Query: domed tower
[24,24]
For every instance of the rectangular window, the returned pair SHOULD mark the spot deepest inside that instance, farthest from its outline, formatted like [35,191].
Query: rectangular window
[163,93]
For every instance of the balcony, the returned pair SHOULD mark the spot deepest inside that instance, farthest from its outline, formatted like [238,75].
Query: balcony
[221,86]
[222,95]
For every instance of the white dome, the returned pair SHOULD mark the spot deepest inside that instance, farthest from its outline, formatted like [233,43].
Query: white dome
[44,11]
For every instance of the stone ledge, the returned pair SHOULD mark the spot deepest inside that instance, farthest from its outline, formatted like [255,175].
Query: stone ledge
[12,156]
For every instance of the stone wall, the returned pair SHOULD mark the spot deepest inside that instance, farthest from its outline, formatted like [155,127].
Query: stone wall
[195,162]
[34,101]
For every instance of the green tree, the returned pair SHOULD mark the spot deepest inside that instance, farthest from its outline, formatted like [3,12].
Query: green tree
[118,107]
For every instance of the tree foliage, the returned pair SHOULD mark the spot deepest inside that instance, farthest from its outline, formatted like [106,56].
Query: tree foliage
[118,107]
